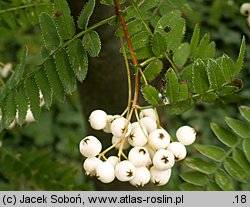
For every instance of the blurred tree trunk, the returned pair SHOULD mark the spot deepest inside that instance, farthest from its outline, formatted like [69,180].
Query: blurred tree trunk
[106,84]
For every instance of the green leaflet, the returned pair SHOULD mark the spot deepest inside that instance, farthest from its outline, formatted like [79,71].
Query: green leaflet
[199,77]
[245,112]
[51,38]
[110,2]
[201,165]
[153,69]
[239,127]
[22,104]
[235,170]
[195,39]
[159,44]
[172,85]
[195,178]
[201,50]
[224,135]
[63,19]
[54,80]
[134,26]
[151,95]
[78,59]
[175,25]
[44,86]
[65,71]
[92,43]
[139,41]
[227,66]
[190,187]
[9,110]
[33,96]
[210,52]
[85,14]
[215,76]
[240,59]
[240,158]
[183,93]
[223,180]
[213,187]
[180,106]
[181,54]
[18,75]
[213,152]
[246,148]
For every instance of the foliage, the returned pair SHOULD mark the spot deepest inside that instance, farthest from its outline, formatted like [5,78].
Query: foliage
[195,71]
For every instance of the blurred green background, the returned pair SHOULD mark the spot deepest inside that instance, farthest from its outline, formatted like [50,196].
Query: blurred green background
[44,155]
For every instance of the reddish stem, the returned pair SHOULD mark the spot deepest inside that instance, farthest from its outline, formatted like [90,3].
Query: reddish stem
[131,49]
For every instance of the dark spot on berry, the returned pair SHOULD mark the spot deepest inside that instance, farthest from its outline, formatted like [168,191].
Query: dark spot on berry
[139,185]
[176,157]
[161,136]
[156,182]
[165,159]
[86,140]
[130,173]
[142,151]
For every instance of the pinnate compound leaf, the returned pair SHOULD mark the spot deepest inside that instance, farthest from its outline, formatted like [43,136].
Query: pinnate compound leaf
[92,43]
[245,112]
[199,77]
[65,71]
[64,21]
[151,95]
[153,69]
[201,165]
[240,158]
[172,85]
[51,38]
[78,59]
[159,44]
[224,135]
[246,148]
[44,86]
[213,152]
[240,59]
[235,170]
[195,178]
[223,180]
[85,15]
[33,96]
[239,127]
[54,80]
[181,54]
[22,104]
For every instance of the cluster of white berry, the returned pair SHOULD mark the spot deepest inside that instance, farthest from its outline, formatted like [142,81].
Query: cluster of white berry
[245,10]
[151,154]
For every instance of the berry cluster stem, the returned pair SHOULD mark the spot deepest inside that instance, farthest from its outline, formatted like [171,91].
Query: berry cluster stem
[131,49]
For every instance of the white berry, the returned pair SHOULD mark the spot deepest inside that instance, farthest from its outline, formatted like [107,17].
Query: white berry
[119,126]
[90,146]
[115,140]
[159,177]
[186,135]
[178,149]
[159,138]
[113,160]
[142,177]
[97,119]
[109,121]
[148,113]
[149,123]
[163,159]
[125,171]
[245,9]
[139,156]
[105,172]
[138,136]
[90,165]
